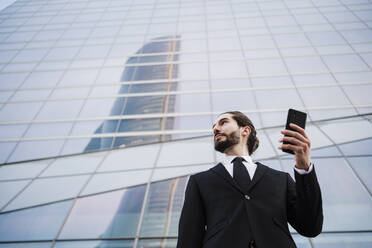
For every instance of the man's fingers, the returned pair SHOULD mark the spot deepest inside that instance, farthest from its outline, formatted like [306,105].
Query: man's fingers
[290,147]
[298,129]
[296,135]
[296,143]
[292,140]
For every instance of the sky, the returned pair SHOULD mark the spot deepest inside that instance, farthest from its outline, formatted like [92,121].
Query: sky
[5,3]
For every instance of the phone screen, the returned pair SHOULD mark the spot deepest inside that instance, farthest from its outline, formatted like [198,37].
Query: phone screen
[296,117]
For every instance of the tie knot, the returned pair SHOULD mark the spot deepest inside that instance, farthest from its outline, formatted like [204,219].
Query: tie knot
[238,160]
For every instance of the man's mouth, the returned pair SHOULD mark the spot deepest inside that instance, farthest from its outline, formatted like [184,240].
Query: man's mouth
[218,135]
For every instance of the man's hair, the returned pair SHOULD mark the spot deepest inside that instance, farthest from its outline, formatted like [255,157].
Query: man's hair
[244,121]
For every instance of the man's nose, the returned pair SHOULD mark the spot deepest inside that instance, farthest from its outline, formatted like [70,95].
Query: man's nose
[216,130]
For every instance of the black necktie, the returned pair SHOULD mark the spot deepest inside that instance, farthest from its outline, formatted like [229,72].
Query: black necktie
[240,173]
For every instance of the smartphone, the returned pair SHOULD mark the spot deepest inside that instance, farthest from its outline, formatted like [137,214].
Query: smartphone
[295,117]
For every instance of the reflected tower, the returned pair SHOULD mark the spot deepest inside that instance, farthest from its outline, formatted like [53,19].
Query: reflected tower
[160,217]
[135,79]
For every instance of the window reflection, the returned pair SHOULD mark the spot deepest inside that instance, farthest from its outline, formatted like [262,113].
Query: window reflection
[117,180]
[228,69]
[31,95]
[141,104]
[26,245]
[345,62]
[48,35]
[109,215]
[291,40]
[351,129]
[22,170]
[74,165]
[5,150]
[30,55]
[281,20]
[62,53]
[227,101]
[34,223]
[95,244]
[325,38]
[330,113]
[193,152]
[19,111]
[323,99]
[53,189]
[157,243]
[360,95]
[363,166]
[12,80]
[98,51]
[163,208]
[201,122]
[325,152]
[315,79]
[27,150]
[20,36]
[60,109]
[256,42]
[12,131]
[305,65]
[130,158]
[8,190]
[269,119]
[19,67]
[54,129]
[363,147]
[310,19]
[266,67]
[349,240]
[75,146]
[148,124]
[42,79]
[362,35]
[291,99]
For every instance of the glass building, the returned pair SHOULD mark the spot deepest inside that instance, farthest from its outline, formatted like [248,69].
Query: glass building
[107,106]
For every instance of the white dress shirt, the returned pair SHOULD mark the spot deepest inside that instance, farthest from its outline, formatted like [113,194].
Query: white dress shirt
[251,166]
[248,163]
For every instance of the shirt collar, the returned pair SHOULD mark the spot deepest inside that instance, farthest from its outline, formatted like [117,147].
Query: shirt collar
[228,159]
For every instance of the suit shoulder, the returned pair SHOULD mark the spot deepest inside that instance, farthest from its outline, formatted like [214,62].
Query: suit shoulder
[201,174]
[273,171]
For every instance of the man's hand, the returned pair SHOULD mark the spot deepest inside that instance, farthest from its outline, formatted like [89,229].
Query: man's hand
[300,145]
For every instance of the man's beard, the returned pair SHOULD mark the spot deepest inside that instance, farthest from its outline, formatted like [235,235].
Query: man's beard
[231,139]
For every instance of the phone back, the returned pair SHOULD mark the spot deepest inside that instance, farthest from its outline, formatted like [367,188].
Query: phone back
[296,117]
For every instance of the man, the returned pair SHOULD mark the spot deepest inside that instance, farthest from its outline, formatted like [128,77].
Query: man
[240,204]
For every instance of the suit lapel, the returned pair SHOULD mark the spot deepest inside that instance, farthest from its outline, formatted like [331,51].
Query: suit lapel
[260,171]
[220,170]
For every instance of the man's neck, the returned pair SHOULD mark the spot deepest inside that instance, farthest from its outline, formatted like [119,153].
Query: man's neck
[237,150]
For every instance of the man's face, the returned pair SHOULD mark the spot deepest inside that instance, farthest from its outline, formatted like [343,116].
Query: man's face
[226,132]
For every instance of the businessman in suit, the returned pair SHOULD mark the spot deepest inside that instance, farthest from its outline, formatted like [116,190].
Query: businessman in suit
[242,204]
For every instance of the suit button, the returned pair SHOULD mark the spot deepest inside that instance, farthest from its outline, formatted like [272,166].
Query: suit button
[247,197]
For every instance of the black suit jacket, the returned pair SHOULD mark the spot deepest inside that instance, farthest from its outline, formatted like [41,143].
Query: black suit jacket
[218,214]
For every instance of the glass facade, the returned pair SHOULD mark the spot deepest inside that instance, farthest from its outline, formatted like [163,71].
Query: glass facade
[106,108]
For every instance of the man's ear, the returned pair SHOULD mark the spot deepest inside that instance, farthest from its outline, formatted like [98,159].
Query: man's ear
[246,131]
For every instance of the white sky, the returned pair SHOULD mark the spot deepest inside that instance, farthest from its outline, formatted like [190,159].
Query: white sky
[5,3]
